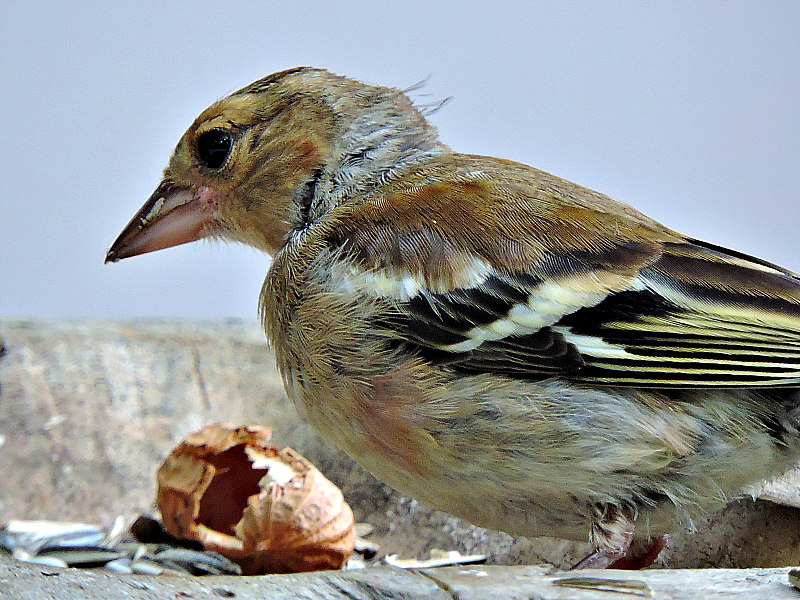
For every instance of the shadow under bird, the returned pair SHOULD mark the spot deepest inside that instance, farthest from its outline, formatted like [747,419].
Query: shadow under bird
[497,342]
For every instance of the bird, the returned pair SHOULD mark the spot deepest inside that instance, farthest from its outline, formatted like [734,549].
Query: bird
[492,340]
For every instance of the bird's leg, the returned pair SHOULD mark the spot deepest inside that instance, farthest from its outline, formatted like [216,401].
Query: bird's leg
[615,548]
[641,554]
[612,536]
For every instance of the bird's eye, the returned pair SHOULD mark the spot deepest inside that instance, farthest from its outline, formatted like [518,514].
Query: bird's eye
[214,146]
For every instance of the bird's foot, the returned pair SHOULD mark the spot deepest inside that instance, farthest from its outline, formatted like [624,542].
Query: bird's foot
[615,548]
[639,554]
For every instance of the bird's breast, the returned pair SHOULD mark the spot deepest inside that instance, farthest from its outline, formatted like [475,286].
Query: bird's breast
[340,369]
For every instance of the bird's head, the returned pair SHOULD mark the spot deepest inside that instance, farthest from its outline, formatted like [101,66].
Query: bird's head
[274,156]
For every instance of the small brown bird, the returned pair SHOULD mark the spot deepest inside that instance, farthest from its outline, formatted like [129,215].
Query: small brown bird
[499,343]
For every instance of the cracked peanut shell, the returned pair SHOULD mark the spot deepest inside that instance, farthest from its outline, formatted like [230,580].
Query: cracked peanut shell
[268,510]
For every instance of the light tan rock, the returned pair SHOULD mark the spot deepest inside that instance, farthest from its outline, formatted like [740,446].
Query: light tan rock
[89,409]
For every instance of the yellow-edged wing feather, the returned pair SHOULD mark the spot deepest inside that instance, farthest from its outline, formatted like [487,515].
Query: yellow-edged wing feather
[498,267]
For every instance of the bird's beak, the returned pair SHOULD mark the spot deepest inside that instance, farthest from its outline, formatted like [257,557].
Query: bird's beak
[173,215]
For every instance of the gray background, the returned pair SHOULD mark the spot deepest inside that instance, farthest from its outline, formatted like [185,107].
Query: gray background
[688,111]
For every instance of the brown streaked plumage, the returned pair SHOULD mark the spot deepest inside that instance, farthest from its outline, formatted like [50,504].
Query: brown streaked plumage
[493,340]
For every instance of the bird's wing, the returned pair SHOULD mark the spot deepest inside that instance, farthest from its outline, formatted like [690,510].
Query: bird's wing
[499,268]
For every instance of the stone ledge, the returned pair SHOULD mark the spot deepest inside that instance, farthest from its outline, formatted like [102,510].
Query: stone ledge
[26,582]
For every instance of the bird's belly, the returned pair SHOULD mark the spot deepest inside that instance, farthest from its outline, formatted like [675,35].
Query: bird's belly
[438,452]
[532,459]
[423,465]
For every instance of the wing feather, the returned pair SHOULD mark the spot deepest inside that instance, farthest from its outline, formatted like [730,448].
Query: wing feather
[519,273]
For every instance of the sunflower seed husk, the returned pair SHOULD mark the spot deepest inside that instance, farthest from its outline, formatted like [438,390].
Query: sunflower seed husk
[201,569]
[121,565]
[64,544]
[202,561]
[366,548]
[50,561]
[117,531]
[364,529]
[73,540]
[355,562]
[439,558]
[35,535]
[84,557]
[174,570]
[137,550]
[147,567]
[141,552]
[176,567]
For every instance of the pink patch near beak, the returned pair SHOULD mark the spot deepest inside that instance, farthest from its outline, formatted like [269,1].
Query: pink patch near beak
[171,216]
